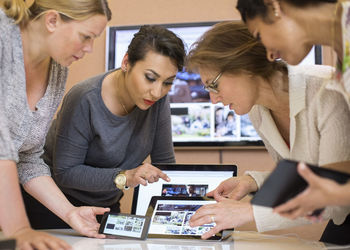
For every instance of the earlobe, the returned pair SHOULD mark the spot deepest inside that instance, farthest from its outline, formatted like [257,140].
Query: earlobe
[125,62]
[52,18]
[276,8]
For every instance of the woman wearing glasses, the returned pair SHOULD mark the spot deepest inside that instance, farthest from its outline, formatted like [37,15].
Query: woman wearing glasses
[288,107]
[325,22]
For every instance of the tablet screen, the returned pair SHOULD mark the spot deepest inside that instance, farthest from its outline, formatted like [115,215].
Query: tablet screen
[124,225]
[170,217]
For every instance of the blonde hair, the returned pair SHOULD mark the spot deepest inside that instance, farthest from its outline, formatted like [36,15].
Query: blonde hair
[68,9]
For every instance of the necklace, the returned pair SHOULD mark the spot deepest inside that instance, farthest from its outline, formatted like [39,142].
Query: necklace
[123,106]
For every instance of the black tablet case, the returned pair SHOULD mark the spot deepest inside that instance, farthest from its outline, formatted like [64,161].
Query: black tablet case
[8,244]
[285,183]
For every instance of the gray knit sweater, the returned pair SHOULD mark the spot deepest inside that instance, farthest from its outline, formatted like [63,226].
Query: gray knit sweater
[22,131]
[87,145]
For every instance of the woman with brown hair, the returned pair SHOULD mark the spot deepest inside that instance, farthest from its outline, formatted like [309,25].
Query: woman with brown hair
[289,29]
[37,44]
[289,108]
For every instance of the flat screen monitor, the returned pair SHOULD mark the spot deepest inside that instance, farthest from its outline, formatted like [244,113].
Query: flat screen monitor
[187,180]
[195,121]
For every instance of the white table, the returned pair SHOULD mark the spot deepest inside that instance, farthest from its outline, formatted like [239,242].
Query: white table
[240,240]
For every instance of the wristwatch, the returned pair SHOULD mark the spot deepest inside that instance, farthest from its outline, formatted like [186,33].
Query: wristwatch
[120,181]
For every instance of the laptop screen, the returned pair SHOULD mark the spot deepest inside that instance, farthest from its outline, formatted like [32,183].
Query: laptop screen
[186,180]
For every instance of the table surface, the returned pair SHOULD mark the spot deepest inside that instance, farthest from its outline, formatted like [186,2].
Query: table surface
[240,240]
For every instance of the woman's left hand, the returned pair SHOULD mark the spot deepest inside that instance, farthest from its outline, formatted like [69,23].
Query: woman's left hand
[83,220]
[226,214]
[319,193]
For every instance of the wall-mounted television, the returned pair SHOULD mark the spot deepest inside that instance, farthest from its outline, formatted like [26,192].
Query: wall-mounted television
[195,121]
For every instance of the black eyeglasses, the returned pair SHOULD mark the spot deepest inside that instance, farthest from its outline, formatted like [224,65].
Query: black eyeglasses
[213,86]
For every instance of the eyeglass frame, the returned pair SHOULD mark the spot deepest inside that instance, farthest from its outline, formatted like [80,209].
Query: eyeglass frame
[213,86]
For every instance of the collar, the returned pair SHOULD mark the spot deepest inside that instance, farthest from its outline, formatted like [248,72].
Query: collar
[297,99]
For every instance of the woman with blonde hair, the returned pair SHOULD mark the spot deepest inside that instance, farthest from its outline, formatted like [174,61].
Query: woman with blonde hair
[37,43]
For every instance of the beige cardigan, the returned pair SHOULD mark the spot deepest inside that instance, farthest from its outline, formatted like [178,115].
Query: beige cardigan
[319,125]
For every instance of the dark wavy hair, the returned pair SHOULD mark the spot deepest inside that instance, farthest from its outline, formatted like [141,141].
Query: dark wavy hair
[160,40]
[250,9]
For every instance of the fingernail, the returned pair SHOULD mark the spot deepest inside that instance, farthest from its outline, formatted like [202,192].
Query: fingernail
[302,165]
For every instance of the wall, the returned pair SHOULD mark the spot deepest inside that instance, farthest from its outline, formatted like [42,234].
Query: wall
[136,12]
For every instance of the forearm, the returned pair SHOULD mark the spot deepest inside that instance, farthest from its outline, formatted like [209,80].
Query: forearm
[267,220]
[45,190]
[12,213]
[87,178]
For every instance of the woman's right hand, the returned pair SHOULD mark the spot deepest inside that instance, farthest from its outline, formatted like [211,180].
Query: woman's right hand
[143,174]
[29,239]
[234,188]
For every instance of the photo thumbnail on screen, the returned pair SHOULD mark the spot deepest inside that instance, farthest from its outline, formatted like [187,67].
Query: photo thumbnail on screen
[182,190]
[230,125]
[191,121]
[188,87]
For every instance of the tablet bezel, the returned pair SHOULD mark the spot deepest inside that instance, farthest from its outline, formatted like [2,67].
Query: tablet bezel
[116,236]
[151,208]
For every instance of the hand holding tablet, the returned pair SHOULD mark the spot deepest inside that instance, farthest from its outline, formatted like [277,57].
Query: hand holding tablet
[167,217]
[285,183]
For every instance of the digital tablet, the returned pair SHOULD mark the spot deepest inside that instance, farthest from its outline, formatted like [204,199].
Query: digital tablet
[285,183]
[117,225]
[170,217]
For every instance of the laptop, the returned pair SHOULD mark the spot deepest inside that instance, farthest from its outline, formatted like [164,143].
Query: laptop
[187,180]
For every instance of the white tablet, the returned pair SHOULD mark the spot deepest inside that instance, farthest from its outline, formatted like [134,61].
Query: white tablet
[117,225]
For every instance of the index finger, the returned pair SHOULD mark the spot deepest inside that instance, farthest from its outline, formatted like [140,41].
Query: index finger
[211,193]
[164,176]
[285,207]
